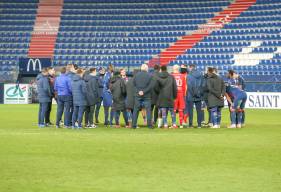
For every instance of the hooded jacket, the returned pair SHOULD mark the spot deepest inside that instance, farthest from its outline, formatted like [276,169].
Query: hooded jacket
[118,90]
[205,88]
[216,91]
[154,95]
[130,92]
[44,89]
[79,91]
[195,86]
[166,87]
[93,93]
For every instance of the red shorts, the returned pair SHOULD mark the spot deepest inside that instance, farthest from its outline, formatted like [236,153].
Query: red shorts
[179,102]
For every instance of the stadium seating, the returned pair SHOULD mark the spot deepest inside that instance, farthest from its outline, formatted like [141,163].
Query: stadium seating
[128,33]
[16,25]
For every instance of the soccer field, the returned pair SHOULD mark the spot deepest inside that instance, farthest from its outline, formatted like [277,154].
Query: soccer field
[126,160]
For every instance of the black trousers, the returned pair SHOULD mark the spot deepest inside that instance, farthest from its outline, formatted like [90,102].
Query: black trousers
[48,113]
[89,115]
[154,111]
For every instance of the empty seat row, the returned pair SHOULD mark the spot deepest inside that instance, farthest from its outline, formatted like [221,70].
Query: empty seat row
[112,46]
[122,28]
[115,34]
[75,15]
[125,23]
[238,31]
[106,6]
[117,40]
[106,52]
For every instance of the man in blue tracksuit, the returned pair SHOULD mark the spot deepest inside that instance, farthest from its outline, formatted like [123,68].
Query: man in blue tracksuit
[64,98]
[44,96]
[194,94]
[107,96]
[79,91]
[237,99]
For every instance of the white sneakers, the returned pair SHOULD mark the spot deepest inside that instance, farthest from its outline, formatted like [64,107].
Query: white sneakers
[232,126]
[216,127]
[92,126]
[160,122]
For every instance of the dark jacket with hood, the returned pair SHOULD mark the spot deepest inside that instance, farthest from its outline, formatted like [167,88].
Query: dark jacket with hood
[118,90]
[216,91]
[166,87]
[205,88]
[93,93]
[195,86]
[79,91]
[44,89]
[130,91]
[154,94]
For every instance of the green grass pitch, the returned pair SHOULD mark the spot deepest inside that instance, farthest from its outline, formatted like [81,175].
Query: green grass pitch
[141,160]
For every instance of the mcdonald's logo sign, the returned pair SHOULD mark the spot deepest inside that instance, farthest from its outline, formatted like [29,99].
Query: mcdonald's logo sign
[32,66]
[33,63]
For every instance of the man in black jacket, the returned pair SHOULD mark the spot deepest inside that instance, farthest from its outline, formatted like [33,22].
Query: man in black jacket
[98,105]
[93,95]
[166,87]
[51,77]
[118,91]
[154,95]
[130,98]
[142,83]
[216,91]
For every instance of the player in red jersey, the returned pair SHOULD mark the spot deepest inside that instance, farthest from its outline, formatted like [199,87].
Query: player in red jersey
[179,104]
[183,71]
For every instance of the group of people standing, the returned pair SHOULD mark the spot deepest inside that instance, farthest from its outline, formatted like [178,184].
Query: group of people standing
[79,94]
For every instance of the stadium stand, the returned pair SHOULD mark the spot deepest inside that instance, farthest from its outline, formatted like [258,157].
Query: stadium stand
[43,39]
[16,25]
[243,35]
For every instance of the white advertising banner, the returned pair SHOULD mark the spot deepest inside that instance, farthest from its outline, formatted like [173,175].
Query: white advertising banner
[263,100]
[17,94]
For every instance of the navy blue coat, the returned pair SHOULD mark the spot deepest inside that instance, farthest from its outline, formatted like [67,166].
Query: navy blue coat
[106,95]
[44,89]
[71,75]
[195,80]
[143,82]
[100,77]
[79,91]
[93,93]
